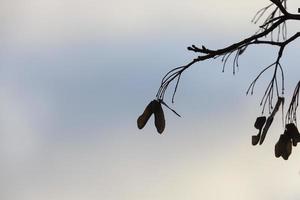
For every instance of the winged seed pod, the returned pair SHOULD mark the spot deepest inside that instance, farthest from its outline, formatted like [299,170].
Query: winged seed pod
[159,118]
[143,118]
[287,150]
[293,133]
[259,123]
[154,107]
[279,146]
[265,129]
[283,147]
[280,101]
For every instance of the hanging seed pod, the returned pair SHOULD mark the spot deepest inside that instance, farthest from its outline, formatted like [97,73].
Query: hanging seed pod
[159,117]
[279,146]
[287,150]
[143,118]
[280,102]
[284,146]
[293,133]
[260,122]
[265,129]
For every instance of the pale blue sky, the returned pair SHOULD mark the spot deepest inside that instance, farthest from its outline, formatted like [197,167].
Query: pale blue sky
[75,75]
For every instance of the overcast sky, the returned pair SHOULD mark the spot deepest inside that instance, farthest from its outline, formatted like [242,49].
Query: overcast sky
[75,75]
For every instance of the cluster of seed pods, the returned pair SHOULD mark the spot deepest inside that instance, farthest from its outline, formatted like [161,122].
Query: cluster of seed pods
[289,138]
[283,147]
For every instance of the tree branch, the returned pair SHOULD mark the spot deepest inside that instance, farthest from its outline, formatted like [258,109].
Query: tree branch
[275,21]
[280,6]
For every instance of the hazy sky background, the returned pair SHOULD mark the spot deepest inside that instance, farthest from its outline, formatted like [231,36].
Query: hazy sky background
[75,75]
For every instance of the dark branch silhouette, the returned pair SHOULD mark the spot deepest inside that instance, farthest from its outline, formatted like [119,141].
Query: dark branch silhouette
[274,23]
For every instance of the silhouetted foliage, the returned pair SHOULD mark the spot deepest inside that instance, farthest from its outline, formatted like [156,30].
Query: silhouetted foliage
[272,32]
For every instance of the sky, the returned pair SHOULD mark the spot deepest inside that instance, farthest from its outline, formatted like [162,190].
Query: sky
[75,75]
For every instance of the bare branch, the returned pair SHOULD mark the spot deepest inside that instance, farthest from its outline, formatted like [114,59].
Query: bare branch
[276,17]
[280,6]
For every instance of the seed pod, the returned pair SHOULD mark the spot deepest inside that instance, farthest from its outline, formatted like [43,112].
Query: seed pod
[287,150]
[159,118]
[265,129]
[280,101]
[143,118]
[260,122]
[284,146]
[293,133]
[279,147]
